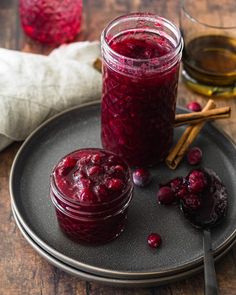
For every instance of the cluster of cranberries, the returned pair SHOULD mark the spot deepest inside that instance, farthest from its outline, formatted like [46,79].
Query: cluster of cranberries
[201,194]
[188,190]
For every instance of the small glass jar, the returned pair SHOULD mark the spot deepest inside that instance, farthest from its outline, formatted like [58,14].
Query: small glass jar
[51,21]
[91,190]
[141,56]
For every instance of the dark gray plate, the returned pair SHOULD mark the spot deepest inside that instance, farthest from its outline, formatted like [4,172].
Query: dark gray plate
[128,256]
[106,280]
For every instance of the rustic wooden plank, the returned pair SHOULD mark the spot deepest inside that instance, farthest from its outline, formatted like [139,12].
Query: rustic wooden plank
[22,270]
[95,289]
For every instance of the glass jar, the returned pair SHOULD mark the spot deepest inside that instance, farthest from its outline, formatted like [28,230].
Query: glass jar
[91,190]
[51,21]
[141,56]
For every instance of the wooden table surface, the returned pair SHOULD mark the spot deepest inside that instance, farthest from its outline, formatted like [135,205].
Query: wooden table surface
[22,270]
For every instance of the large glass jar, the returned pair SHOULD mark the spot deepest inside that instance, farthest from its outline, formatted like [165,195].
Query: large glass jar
[51,21]
[141,56]
[91,190]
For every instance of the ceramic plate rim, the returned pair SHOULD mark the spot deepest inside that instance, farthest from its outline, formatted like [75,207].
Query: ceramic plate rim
[107,280]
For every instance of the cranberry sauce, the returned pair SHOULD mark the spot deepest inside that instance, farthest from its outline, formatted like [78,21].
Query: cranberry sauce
[210,204]
[201,194]
[139,96]
[91,190]
[51,21]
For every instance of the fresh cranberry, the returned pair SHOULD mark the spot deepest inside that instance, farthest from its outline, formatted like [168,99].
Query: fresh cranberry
[176,184]
[197,181]
[154,240]
[165,195]
[192,201]
[194,156]
[194,106]
[141,177]
[182,192]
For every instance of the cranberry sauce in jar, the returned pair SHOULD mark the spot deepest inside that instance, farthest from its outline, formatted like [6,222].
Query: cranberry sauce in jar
[141,56]
[51,21]
[91,190]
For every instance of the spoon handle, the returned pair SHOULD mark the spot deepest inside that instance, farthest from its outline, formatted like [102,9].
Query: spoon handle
[211,287]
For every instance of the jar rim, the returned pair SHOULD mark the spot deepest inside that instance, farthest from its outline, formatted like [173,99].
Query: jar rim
[84,204]
[151,17]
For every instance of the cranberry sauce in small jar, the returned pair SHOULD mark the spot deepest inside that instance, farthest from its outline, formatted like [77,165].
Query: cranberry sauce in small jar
[91,190]
[141,56]
[51,21]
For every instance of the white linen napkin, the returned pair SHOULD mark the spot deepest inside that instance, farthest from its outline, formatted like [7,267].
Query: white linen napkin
[34,87]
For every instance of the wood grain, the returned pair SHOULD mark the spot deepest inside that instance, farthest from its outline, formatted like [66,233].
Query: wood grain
[22,270]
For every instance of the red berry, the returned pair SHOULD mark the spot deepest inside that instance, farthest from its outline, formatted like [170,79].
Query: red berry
[194,106]
[154,240]
[141,177]
[165,195]
[194,156]
[183,191]
[176,184]
[197,181]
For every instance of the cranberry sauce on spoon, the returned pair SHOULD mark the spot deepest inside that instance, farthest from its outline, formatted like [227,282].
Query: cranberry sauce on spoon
[203,199]
[206,203]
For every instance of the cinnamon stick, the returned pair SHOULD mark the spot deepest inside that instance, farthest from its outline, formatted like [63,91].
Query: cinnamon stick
[98,65]
[191,118]
[191,132]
